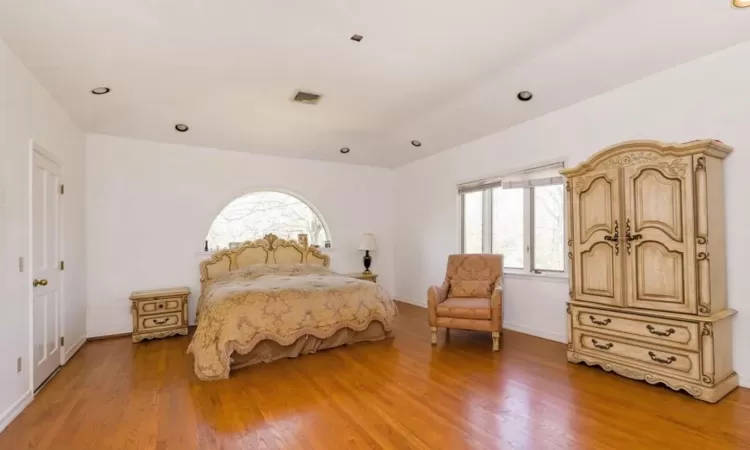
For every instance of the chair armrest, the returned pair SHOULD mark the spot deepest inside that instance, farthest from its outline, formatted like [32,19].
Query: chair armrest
[496,309]
[497,298]
[435,296]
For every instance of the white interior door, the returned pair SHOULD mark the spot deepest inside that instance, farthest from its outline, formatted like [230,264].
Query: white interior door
[45,272]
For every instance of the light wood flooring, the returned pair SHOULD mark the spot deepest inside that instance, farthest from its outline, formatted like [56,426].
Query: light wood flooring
[398,394]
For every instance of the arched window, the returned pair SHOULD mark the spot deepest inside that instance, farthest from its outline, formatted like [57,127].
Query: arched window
[255,215]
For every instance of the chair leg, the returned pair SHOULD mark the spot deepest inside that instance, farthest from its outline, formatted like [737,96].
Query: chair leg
[495,341]
[433,332]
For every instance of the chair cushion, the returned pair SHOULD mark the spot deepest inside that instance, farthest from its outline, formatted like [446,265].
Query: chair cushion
[470,288]
[465,308]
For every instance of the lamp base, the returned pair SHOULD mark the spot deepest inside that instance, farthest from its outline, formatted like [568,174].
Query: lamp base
[367,261]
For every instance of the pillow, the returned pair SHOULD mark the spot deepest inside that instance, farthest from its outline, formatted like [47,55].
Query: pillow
[481,289]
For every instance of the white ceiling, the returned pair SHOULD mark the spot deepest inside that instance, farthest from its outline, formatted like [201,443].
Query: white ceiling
[443,72]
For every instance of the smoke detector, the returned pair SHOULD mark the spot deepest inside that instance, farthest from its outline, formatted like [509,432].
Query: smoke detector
[306,97]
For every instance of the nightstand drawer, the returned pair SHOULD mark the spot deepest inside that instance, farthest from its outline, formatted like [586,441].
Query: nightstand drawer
[159,306]
[154,323]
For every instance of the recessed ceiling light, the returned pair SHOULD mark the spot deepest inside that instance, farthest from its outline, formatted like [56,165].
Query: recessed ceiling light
[741,3]
[356,37]
[416,143]
[100,90]
[525,96]
[345,150]
[181,127]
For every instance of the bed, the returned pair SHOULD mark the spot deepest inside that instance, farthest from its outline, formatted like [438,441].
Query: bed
[274,298]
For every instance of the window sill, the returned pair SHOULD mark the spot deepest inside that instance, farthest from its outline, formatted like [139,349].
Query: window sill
[549,277]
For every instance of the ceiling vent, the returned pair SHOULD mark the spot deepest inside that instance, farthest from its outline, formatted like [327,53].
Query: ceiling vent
[306,97]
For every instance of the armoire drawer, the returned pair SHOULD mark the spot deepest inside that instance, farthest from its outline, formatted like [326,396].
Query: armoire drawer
[673,333]
[672,362]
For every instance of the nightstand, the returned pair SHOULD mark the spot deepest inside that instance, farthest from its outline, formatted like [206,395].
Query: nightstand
[159,313]
[364,276]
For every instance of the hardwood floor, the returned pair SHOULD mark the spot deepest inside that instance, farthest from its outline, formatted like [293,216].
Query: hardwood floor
[399,394]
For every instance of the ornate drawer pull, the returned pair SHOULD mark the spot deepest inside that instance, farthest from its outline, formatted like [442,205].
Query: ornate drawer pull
[653,330]
[161,305]
[161,322]
[602,346]
[669,360]
[602,323]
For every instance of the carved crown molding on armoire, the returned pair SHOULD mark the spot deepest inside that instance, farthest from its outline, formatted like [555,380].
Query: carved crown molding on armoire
[646,241]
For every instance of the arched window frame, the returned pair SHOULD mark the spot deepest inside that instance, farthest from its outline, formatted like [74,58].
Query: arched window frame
[279,190]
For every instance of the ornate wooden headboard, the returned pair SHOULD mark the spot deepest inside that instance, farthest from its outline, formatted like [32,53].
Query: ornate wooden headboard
[269,250]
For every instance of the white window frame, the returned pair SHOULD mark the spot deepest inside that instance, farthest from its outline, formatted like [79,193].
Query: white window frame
[528,235]
[278,190]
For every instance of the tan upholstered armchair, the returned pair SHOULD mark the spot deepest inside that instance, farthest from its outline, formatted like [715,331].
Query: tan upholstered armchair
[471,297]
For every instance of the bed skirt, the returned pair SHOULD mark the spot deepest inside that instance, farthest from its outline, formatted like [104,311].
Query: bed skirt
[268,350]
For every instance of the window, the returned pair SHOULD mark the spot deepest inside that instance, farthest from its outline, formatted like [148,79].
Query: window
[255,215]
[520,216]
[473,222]
[507,225]
[548,239]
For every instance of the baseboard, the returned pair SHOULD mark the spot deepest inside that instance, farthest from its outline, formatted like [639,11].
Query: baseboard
[69,352]
[544,334]
[415,303]
[15,409]
[108,336]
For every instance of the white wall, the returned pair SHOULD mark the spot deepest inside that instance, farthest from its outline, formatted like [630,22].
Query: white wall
[706,98]
[28,112]
[150,207]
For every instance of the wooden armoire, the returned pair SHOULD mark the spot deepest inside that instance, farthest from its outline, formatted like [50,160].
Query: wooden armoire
[648,297]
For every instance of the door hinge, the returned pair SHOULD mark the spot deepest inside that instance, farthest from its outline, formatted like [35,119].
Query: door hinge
[62,341]
[62,265]
[62,189]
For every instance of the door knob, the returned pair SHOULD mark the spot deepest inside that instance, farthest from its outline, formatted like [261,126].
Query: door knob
[41,282]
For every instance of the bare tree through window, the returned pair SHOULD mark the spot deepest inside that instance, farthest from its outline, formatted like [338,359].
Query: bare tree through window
[255,215]
[507,226]
[549,236]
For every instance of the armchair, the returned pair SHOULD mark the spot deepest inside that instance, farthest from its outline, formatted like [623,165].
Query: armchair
[471,296]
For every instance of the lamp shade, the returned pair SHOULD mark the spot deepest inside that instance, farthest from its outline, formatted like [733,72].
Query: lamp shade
[367,242]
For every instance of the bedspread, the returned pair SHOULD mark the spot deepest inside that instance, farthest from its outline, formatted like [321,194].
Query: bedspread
[282,303]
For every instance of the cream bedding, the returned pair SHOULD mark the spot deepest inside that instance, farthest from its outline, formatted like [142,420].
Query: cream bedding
[281,303]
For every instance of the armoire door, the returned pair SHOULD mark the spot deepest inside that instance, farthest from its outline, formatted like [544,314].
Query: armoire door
[659,235]
[597,232]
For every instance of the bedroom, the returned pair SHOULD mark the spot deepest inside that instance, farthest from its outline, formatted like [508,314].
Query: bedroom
[140,198]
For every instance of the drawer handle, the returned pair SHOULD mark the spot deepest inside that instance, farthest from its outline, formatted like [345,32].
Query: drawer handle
[161,305]
[606,346]
[162,321]
[601,323]
[653,330]
[669,360]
